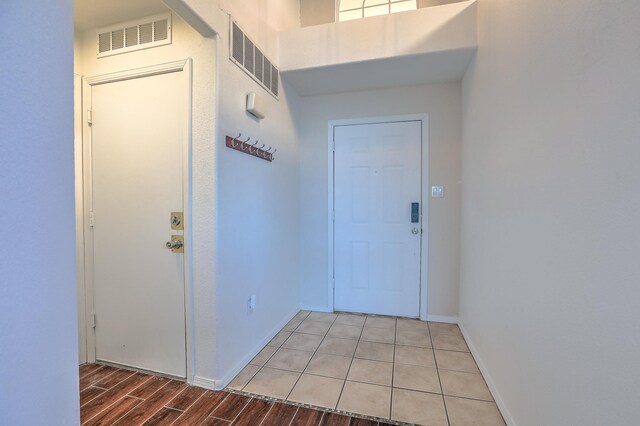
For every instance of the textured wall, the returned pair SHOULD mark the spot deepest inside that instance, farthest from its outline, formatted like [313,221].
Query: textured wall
[38,323]
[550,230]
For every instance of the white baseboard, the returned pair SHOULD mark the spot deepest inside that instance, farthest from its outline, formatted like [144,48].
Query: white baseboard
[316,308]
[442,318]
[508,418]
[224,381]
[203,382]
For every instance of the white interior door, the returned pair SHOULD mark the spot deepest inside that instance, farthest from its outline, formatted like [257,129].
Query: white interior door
[377,177]
[137,140]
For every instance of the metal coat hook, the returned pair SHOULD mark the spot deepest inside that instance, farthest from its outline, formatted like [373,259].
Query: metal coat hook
[244,145]
[233,142]
[254,149]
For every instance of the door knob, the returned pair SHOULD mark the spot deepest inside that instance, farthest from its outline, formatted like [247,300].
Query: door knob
[176,244]
[415,231]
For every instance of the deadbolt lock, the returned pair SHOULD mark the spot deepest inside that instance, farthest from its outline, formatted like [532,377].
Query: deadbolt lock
[176,244]
[176,221]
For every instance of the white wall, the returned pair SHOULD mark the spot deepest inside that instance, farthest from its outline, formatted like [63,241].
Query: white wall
[185,43]
[38,353]
[443,104]
[550,230]
[445,28]
[258,231]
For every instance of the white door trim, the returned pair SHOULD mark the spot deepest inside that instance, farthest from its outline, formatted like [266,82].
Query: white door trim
[424,243]
[86,259]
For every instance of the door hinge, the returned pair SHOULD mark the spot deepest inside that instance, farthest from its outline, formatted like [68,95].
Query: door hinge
[89,116]
[92,219]
[93,320]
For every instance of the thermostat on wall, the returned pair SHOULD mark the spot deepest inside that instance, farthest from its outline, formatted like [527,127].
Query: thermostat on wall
[255,105]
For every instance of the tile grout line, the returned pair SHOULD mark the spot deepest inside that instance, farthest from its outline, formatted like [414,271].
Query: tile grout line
[267,414]
[192,404]
[276,351]
[353,356]
[312,355]
[393,368]
[246,404]
[435,361]
[117,401]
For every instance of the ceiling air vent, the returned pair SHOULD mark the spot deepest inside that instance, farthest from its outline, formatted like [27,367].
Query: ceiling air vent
[143,33]
[244,53]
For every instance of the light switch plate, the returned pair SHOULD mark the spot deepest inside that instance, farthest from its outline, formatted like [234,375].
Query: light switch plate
[437,191]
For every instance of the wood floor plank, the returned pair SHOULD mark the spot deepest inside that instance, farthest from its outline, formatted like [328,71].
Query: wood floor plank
[230,407]
[164,417]
[113,379]
[201,409]
[97,376]
[152,405]
[114,412]
[253,413]
[280,414]
[355,421]
[334,419]
[90,393]
[92,408]
[212,421]
[186,398]
[307,417]
[88,369]
[150,387]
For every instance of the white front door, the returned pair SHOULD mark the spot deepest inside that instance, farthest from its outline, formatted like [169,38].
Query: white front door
[136,163]
[377,180]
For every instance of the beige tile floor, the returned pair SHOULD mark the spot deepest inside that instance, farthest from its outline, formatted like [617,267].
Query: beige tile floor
[391,368]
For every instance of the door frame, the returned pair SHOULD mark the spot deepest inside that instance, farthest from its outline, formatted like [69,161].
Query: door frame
[85,260]
[424,201]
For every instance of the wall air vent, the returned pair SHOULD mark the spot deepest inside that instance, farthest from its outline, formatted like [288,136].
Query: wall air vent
[143,33]
[244,53]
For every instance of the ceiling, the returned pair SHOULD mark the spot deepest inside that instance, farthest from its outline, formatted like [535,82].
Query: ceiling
[90,14]
[435,67]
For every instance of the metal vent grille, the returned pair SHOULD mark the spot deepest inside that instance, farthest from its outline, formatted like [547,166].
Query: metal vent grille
[274,80]
[259,64]
[146,33]
[248,54]
[249,57]
[160,30]
[129,36]
[104,42]
[237,51]
[117,39]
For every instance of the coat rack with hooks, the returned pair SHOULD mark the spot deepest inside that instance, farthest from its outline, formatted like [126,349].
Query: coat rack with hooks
[251,148]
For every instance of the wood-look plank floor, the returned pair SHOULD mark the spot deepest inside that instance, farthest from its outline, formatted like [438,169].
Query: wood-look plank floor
[112,396]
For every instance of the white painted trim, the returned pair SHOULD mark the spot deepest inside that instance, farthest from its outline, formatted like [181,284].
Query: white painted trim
[506,414]
[148,71]
[424,242]
[226,379]
[203,382]
[78,175]
[442,318]
[316,308]
[184,66]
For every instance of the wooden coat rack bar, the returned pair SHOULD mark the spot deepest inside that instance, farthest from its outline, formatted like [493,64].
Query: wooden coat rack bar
[251,149]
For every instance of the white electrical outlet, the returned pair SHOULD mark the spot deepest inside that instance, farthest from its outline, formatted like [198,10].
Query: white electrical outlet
[252,302]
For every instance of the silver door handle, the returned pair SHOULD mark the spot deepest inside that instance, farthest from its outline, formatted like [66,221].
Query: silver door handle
[174,244]
[415,231]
